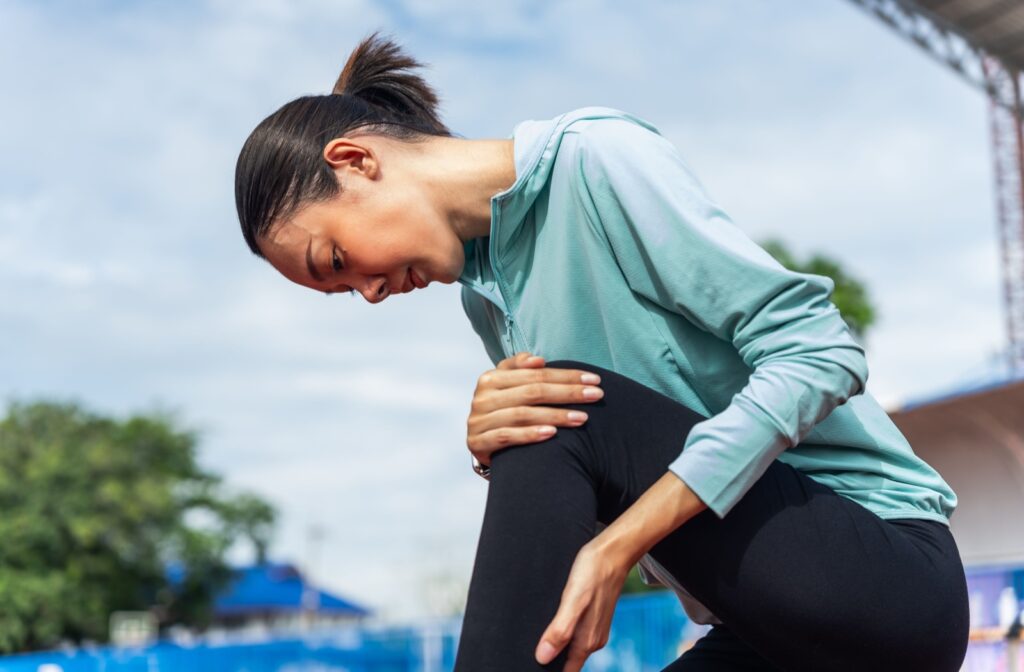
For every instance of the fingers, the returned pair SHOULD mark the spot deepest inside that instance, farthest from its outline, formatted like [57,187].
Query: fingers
[520,360]
[507,405]
[487,400]
[500,379]
[490,399]
[515,426]
[527,416]
[576,626]
[525,368]
[494,424]
[577,656]
[482,446]
[559,633]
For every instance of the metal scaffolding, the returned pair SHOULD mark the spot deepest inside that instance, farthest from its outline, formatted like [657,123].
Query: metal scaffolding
[983,41]
[1008,157]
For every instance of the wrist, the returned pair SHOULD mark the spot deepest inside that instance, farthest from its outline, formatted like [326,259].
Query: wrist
[619,547]
[665,506]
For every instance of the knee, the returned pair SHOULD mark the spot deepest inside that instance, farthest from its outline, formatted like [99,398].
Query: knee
[607,417]
[620,391]
[626,402]
[546,462]
[570,445]
[611,384]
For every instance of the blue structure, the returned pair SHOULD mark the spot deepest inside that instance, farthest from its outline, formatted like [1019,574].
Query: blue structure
[277,588]
[646,634]
[269,591]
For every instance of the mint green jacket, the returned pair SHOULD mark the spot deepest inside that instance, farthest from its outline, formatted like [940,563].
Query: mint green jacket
[608,250]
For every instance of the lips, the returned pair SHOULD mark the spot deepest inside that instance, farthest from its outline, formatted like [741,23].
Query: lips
[410,282]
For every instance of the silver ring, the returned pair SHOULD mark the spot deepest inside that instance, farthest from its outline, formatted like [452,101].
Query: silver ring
[481,470]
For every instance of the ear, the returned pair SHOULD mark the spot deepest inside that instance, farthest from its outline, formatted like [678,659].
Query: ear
[345,153]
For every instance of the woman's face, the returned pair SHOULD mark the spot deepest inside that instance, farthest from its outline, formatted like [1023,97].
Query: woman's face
[380,236]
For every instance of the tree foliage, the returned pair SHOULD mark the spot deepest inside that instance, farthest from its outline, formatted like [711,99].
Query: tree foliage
[850,296]
[95,510]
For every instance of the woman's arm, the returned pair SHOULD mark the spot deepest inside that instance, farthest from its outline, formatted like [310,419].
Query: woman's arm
[662,508]
[584,615]
[678,249]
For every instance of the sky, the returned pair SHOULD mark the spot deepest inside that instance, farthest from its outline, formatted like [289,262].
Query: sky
[125,283]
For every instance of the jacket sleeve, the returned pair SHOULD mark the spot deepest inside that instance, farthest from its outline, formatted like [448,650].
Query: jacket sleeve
[678,249]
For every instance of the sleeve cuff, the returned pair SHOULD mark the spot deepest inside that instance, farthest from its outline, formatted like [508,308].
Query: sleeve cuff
[725,455]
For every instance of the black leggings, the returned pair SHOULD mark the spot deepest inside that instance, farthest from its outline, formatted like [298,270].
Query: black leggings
[802,578]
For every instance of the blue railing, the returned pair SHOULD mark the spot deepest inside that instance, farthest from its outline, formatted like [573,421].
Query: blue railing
[646,634]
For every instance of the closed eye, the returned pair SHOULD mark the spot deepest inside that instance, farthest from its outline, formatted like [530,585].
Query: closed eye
[338,266]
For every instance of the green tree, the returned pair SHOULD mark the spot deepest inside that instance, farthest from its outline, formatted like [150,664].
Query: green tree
[850,297]
[95,510]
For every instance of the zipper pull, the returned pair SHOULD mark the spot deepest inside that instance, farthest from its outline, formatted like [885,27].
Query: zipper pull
[508,332]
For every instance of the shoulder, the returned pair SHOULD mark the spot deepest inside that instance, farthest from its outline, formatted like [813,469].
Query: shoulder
[624,160]
[598,127]
[609,139]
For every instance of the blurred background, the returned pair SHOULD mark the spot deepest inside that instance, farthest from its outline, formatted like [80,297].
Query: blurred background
[169,396]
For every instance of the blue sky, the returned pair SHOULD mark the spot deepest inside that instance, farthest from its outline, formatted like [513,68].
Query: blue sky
[126,283]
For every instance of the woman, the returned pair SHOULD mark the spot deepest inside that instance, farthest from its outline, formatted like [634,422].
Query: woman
[730,447]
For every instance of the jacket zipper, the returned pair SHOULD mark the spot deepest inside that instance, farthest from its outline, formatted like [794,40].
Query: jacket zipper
[498,300]
[511,334]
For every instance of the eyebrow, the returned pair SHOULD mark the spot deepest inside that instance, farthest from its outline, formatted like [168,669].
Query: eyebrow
[310,266]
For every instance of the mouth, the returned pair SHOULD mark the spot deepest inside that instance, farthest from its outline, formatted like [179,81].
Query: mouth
[410,282]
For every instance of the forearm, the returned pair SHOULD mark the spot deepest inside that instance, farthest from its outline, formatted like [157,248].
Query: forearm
[661,509]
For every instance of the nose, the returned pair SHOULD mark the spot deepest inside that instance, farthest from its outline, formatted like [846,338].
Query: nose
[376,290]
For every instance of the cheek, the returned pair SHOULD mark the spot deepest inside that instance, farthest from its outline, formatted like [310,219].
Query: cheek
[381,251]
[402,235]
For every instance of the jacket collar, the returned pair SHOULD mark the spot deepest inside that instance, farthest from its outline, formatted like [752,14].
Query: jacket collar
[535,144]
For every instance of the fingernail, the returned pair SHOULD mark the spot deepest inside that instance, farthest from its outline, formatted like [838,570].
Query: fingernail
[577,416]
[590,379]
[546,653]
[546,430]
[592,393]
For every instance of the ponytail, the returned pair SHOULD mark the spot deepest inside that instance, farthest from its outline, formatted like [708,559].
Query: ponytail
[281,166]
[376,73]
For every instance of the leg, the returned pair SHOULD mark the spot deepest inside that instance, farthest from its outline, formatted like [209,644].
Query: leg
[719,650]
[807,578]
[541,508]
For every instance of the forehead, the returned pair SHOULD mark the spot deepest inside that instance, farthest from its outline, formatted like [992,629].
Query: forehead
[286,247]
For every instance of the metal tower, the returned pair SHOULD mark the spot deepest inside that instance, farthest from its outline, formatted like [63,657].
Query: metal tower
[983,41]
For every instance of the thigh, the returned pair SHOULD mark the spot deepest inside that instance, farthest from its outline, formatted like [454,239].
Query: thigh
[813,581]
[809,579]
[720,650]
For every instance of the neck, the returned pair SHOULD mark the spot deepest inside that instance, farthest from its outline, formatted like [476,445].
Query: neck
[464,175]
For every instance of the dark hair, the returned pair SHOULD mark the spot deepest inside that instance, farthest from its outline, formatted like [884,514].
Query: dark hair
[281,165]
